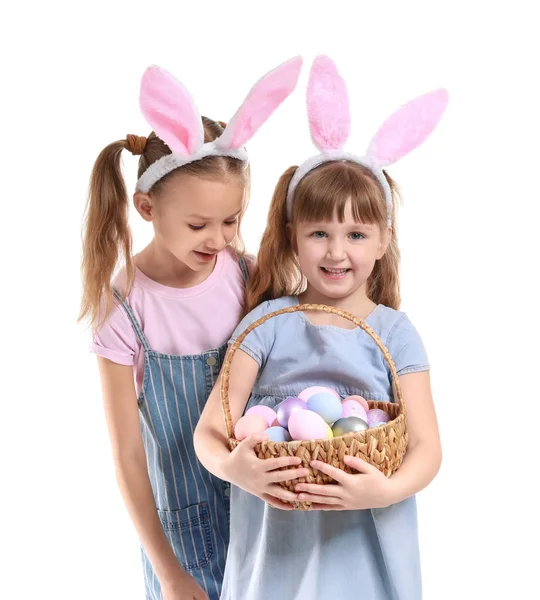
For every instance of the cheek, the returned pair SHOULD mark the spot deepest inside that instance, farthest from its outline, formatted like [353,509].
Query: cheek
[230,233]
[310,255]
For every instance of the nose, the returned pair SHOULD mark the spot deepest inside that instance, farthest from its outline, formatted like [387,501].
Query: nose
[216,240]
[335,250]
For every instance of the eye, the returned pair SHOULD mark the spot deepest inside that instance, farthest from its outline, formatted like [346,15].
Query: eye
[196,227]
[318,234]
[357,236]
[233,222]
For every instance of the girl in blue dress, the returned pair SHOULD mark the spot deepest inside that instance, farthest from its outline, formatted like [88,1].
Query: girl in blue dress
[330,239]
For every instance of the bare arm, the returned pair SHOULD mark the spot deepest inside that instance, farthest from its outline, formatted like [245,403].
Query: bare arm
[210,436]
[424,455]
[241,467]
[122,415]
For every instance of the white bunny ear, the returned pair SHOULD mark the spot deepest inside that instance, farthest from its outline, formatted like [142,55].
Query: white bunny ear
[263,99]
[329,115]
[171,112]
[408,127]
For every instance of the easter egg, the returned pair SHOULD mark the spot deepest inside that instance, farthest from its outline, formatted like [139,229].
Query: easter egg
[376,415]
[329,433]
[325,404]
[360,400]
[376,425]
[248,425]
[265,411]
[348,425]
[278,434]
[316,389]
[287,408]
[352,408]
[307,425]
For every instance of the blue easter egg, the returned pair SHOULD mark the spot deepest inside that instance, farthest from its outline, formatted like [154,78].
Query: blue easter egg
[278,434]
[327,405]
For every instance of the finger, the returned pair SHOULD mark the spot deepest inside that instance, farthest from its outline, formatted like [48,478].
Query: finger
[360,465]
[271,464]
[252,440]
[277,491]
[329,490]
[314,499]
[289,474]
[337,474]
[275,503]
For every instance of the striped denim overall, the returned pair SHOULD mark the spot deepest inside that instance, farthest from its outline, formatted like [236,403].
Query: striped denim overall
[193,504]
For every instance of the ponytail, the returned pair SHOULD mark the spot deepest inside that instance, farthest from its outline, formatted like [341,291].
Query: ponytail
[107,236]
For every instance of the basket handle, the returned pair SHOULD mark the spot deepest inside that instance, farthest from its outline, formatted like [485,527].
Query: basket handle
[290,309]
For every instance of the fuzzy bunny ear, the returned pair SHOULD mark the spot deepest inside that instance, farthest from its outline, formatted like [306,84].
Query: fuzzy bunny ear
[327,106]
[408,127]
[263,99]
[171,112]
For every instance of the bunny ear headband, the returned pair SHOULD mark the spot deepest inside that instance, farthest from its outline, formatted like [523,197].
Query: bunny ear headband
[171,112]
[330,122]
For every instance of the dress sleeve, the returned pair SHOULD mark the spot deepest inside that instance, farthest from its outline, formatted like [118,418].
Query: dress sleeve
[406,347]
[258,342]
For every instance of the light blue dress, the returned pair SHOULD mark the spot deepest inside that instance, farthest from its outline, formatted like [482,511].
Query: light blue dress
[340,555]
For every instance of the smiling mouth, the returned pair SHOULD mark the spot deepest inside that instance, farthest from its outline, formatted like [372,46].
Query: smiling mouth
[335,273]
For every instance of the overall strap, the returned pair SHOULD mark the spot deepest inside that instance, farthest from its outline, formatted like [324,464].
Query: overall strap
[135,324]
[244,268]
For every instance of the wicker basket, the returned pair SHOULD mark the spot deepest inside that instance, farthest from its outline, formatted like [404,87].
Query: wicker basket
[383,446]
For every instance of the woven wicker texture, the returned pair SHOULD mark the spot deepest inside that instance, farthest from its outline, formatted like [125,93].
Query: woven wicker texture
[383,446]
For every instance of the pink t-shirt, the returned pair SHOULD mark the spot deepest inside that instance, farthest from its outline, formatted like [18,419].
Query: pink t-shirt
[180,321]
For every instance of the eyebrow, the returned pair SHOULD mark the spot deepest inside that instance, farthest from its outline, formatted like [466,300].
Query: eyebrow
[324,224]
[210,218]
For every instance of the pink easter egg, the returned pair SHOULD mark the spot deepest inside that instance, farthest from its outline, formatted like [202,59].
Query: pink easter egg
[360,400]
[287,408]
[352,408]
[306,394]
[307,425]
[265,411]
[248,425]
[376,415]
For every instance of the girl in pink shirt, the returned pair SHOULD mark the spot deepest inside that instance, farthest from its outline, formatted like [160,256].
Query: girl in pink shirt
[161,325]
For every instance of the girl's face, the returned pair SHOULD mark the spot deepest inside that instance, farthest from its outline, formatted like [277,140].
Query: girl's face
[337,258]
[194,218]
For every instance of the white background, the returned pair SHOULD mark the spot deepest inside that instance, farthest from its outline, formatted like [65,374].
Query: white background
[468,229]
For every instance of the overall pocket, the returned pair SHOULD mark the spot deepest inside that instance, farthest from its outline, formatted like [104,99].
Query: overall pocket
[188,531]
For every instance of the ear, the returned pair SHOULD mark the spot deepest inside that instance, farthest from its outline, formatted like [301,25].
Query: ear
[171,112]
[327,106]
[386,236]
[408,127]
[144,204]
[263,99]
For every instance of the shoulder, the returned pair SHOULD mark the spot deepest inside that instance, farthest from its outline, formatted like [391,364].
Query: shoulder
[115,338]
[237,265]
[263,309]
[270,306]
[402,339]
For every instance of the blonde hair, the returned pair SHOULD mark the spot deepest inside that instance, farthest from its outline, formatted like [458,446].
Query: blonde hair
[318,196]
[107,239]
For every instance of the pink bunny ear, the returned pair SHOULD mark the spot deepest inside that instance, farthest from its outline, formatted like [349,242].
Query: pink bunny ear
[408,127]
[169,109]
[327,106]
[263,99]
